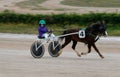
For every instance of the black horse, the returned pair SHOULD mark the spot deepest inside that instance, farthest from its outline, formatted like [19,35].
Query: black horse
[92,34]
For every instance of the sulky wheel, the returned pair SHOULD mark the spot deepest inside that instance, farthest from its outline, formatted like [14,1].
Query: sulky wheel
[54,48]
[37,50]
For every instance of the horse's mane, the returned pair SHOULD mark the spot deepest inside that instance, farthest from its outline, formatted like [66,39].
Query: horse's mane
[93,26]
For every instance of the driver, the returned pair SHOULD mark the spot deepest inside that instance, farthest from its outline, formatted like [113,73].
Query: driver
[43,31]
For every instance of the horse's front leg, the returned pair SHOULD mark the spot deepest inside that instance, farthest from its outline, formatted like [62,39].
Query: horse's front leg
[89,50]
[94,46]
[73,47]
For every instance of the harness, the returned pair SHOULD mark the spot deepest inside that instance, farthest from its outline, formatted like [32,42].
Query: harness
[87,33]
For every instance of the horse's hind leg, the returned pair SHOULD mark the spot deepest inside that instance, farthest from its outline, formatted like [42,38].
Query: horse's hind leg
[89,50]
[73,47]
[67,41]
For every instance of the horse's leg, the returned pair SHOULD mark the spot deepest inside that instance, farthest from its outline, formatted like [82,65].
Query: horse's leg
[89,50]
[94,46]
[67,41]
[73,47]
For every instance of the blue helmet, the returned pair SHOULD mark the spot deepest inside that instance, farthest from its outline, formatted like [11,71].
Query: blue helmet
[42,22]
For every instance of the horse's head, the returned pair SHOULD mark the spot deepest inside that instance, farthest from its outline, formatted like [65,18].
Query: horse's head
[99,28]
[102,29]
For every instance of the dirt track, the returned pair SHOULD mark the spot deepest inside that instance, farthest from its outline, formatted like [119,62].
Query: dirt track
[16,60]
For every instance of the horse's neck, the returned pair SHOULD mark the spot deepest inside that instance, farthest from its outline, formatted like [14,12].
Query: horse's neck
[91,32]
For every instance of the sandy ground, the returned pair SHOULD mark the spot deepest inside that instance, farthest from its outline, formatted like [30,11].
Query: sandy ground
[53,6]
[16,60]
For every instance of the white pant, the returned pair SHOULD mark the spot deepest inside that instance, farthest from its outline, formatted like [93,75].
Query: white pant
[46,35]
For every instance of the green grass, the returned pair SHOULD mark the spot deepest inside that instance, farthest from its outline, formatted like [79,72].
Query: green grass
[26,28]
[31,4]
[92,3]
[58,29]
[114,30]
[35,4]
[18,28]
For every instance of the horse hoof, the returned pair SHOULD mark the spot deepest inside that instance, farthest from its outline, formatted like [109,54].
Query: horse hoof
[79,55]
[102,57]
[83,53]
[59,53]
